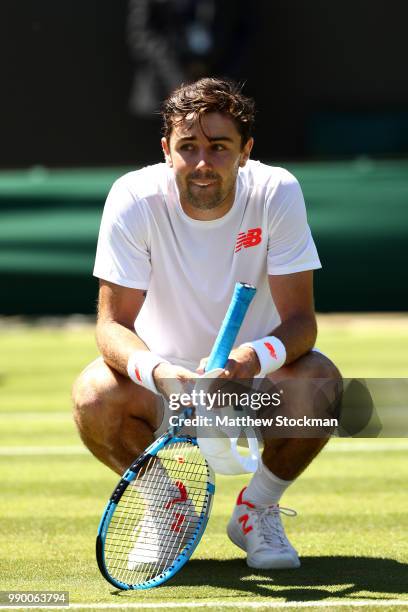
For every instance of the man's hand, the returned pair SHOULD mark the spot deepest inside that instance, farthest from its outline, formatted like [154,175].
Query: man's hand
[242,363]
[173,379]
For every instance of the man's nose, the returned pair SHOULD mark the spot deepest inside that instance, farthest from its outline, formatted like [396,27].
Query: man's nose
[203,160]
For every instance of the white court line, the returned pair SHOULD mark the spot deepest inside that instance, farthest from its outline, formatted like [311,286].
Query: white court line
[244,604]
[36,415]
[16,451]
[347,447]
[20,451]
[241,604]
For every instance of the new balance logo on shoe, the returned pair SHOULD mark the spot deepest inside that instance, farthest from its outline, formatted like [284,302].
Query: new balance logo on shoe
[176,526]
[259,531]
[248,239]
[244,520]
[179,516]
[183,495]
[242,502]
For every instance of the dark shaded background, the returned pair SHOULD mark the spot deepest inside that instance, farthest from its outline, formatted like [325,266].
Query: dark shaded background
[330,82]
[329,78]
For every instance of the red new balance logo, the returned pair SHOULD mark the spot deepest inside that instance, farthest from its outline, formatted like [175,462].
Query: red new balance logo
[271,350]
[178,516]
[176,526]
[183,495]
[248,239]
[244,518]
[242,502]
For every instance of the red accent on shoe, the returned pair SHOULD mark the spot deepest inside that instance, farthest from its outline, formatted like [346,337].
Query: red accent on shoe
[245,528]
[242,502]
[176,526]
[176,500]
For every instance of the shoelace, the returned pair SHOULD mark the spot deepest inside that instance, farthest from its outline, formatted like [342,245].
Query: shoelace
[271,524]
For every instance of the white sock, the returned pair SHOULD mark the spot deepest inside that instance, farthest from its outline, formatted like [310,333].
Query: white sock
[265,489]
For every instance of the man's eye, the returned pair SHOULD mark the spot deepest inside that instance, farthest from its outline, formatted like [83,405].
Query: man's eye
[186,147]
[218,147]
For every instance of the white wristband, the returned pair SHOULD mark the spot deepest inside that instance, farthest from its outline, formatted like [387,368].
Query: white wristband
[271,354]
[140,368]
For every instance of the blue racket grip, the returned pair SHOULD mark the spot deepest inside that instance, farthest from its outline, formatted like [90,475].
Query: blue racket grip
[241,299]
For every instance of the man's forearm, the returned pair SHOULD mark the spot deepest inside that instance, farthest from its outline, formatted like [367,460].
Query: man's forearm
[298,334]
[116,342]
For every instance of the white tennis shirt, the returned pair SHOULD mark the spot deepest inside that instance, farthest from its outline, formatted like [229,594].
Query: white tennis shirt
[189,267]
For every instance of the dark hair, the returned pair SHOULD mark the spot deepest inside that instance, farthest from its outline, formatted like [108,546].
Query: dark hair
[209,95]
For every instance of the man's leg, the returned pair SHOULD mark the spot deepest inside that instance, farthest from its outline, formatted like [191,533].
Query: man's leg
[116,420]
[255,525]
[288,457]
[115,417]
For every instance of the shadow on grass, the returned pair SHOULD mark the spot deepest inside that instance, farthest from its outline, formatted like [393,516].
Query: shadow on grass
[349,574]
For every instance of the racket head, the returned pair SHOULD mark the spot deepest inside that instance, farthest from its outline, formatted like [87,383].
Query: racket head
[154,520]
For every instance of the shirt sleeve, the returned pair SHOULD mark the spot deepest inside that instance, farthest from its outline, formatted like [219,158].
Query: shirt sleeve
[123,254]
[290,244]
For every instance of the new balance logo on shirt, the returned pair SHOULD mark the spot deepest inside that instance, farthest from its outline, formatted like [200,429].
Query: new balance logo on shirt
[248,239]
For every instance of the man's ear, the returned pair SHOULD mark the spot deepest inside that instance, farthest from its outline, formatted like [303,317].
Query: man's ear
[246,152]
[166,151]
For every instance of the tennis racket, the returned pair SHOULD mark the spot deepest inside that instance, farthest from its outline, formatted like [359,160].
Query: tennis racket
[159,510]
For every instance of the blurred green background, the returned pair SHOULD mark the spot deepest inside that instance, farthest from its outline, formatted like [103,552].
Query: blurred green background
[358,211]
[82,86]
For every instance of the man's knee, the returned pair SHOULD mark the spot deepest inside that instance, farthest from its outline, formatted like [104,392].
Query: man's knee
[313,365]
[86,396]
[86,406]
[312,384]
[103,400]
[329,381]
[104,412]
[94,393]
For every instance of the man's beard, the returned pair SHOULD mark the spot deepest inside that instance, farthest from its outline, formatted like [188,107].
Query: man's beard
[198,198]
[205,198]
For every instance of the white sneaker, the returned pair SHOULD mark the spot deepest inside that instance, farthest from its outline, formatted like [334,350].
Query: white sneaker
[146,549]
[163,532]
[259,531]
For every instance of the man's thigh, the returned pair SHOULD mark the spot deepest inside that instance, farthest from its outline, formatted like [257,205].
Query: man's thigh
[309,387]
[103,399]
[314,364]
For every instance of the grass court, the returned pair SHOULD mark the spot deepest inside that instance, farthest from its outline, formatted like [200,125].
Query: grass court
[352,524]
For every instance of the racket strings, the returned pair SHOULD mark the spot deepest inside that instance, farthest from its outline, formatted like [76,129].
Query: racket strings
[158,514]
[154,526]
[186,517]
